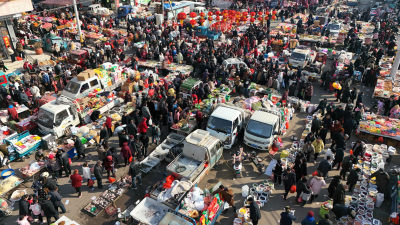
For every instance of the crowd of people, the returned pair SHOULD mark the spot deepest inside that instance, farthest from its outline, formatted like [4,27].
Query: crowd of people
[158,112]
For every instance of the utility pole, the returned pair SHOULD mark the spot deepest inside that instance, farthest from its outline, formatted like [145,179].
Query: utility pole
[162,8]
[396,61]
[78,24]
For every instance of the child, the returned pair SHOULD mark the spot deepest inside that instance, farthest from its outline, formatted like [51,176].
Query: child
[36,210]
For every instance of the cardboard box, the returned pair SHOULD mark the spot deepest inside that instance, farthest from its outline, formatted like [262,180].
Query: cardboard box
[83,76]
[90,72]
[129,87]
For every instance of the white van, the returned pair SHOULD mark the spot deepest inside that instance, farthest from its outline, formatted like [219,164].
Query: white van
[78,89]
[233,62]
[301,58]
[264,125]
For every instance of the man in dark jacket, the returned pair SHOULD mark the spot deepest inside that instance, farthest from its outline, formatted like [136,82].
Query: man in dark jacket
[62,159]
[104,135]
[339,155]
[289,179]
[287,217]
[315,125]
[134,172]
[24,206]
[353,178]
[80,149]
[49,209]
[322,106]
[382,180]
[56,199]
[255,214]
[346,165]
[325,166]
[98,173]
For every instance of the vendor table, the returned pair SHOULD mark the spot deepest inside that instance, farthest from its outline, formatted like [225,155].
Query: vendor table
[107,198]
[66,220]
[9,184]
[185,129]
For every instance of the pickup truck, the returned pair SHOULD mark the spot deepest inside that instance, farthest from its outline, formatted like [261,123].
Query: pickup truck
[79,88]
[201,151]
[301,58]
[262,128]
[226,122]
[58,116]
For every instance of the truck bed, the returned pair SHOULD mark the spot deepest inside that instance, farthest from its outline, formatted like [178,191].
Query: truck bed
[149,211]
[183,167]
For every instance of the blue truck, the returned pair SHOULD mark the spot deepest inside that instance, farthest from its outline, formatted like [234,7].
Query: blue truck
[124,10]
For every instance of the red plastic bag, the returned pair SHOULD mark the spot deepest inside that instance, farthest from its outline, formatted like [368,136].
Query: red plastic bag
[111,180]
[90,183]
[69,161]
[300,200]
[293,189]
[130,159]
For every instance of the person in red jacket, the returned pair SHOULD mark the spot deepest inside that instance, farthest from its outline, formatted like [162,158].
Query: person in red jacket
[142,128]
[12,111]
[109,125]
[109,166]
[76,181]
[126,152]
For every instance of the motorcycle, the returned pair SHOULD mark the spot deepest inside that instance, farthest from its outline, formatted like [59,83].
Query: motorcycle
[256,161]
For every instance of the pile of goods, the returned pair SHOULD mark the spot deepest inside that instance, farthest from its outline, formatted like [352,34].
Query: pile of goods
[98,204]
[201,206]
[380,125]
[25,144]
[9,183]
[31,169]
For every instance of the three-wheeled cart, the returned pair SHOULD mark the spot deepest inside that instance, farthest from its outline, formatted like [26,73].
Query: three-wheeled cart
[19,146]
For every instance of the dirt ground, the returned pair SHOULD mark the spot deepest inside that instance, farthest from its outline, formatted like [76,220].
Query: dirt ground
[221,173]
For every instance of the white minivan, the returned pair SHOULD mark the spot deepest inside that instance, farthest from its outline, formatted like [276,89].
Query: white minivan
[264,125]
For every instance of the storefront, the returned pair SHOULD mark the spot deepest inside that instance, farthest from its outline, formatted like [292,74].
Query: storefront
[5,40]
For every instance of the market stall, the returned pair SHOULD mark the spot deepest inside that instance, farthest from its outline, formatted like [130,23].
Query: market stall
[63,220]
[9,183]
[380,126]
[108,197]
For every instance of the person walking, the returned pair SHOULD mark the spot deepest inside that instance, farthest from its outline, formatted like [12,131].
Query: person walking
[49,210]
[62,158]
[339,195]
[309,220]
[346,166]
[80,149]
[98,174]
[56,199]
[287,217]
[339,155]
[255,214]
[126,153]
[289,179]
[333,185]
[308,150]
[316,184]
[109,166]
[278,172]
[325,166]
[134,172]
[318,147]
[76,180]
[23,206]
[353,178]
[155,134]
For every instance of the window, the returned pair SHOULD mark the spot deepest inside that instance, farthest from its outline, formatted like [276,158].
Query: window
[94,83]
[84,87]
[60,117]
[259,129]
[235,123]
[72,87]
